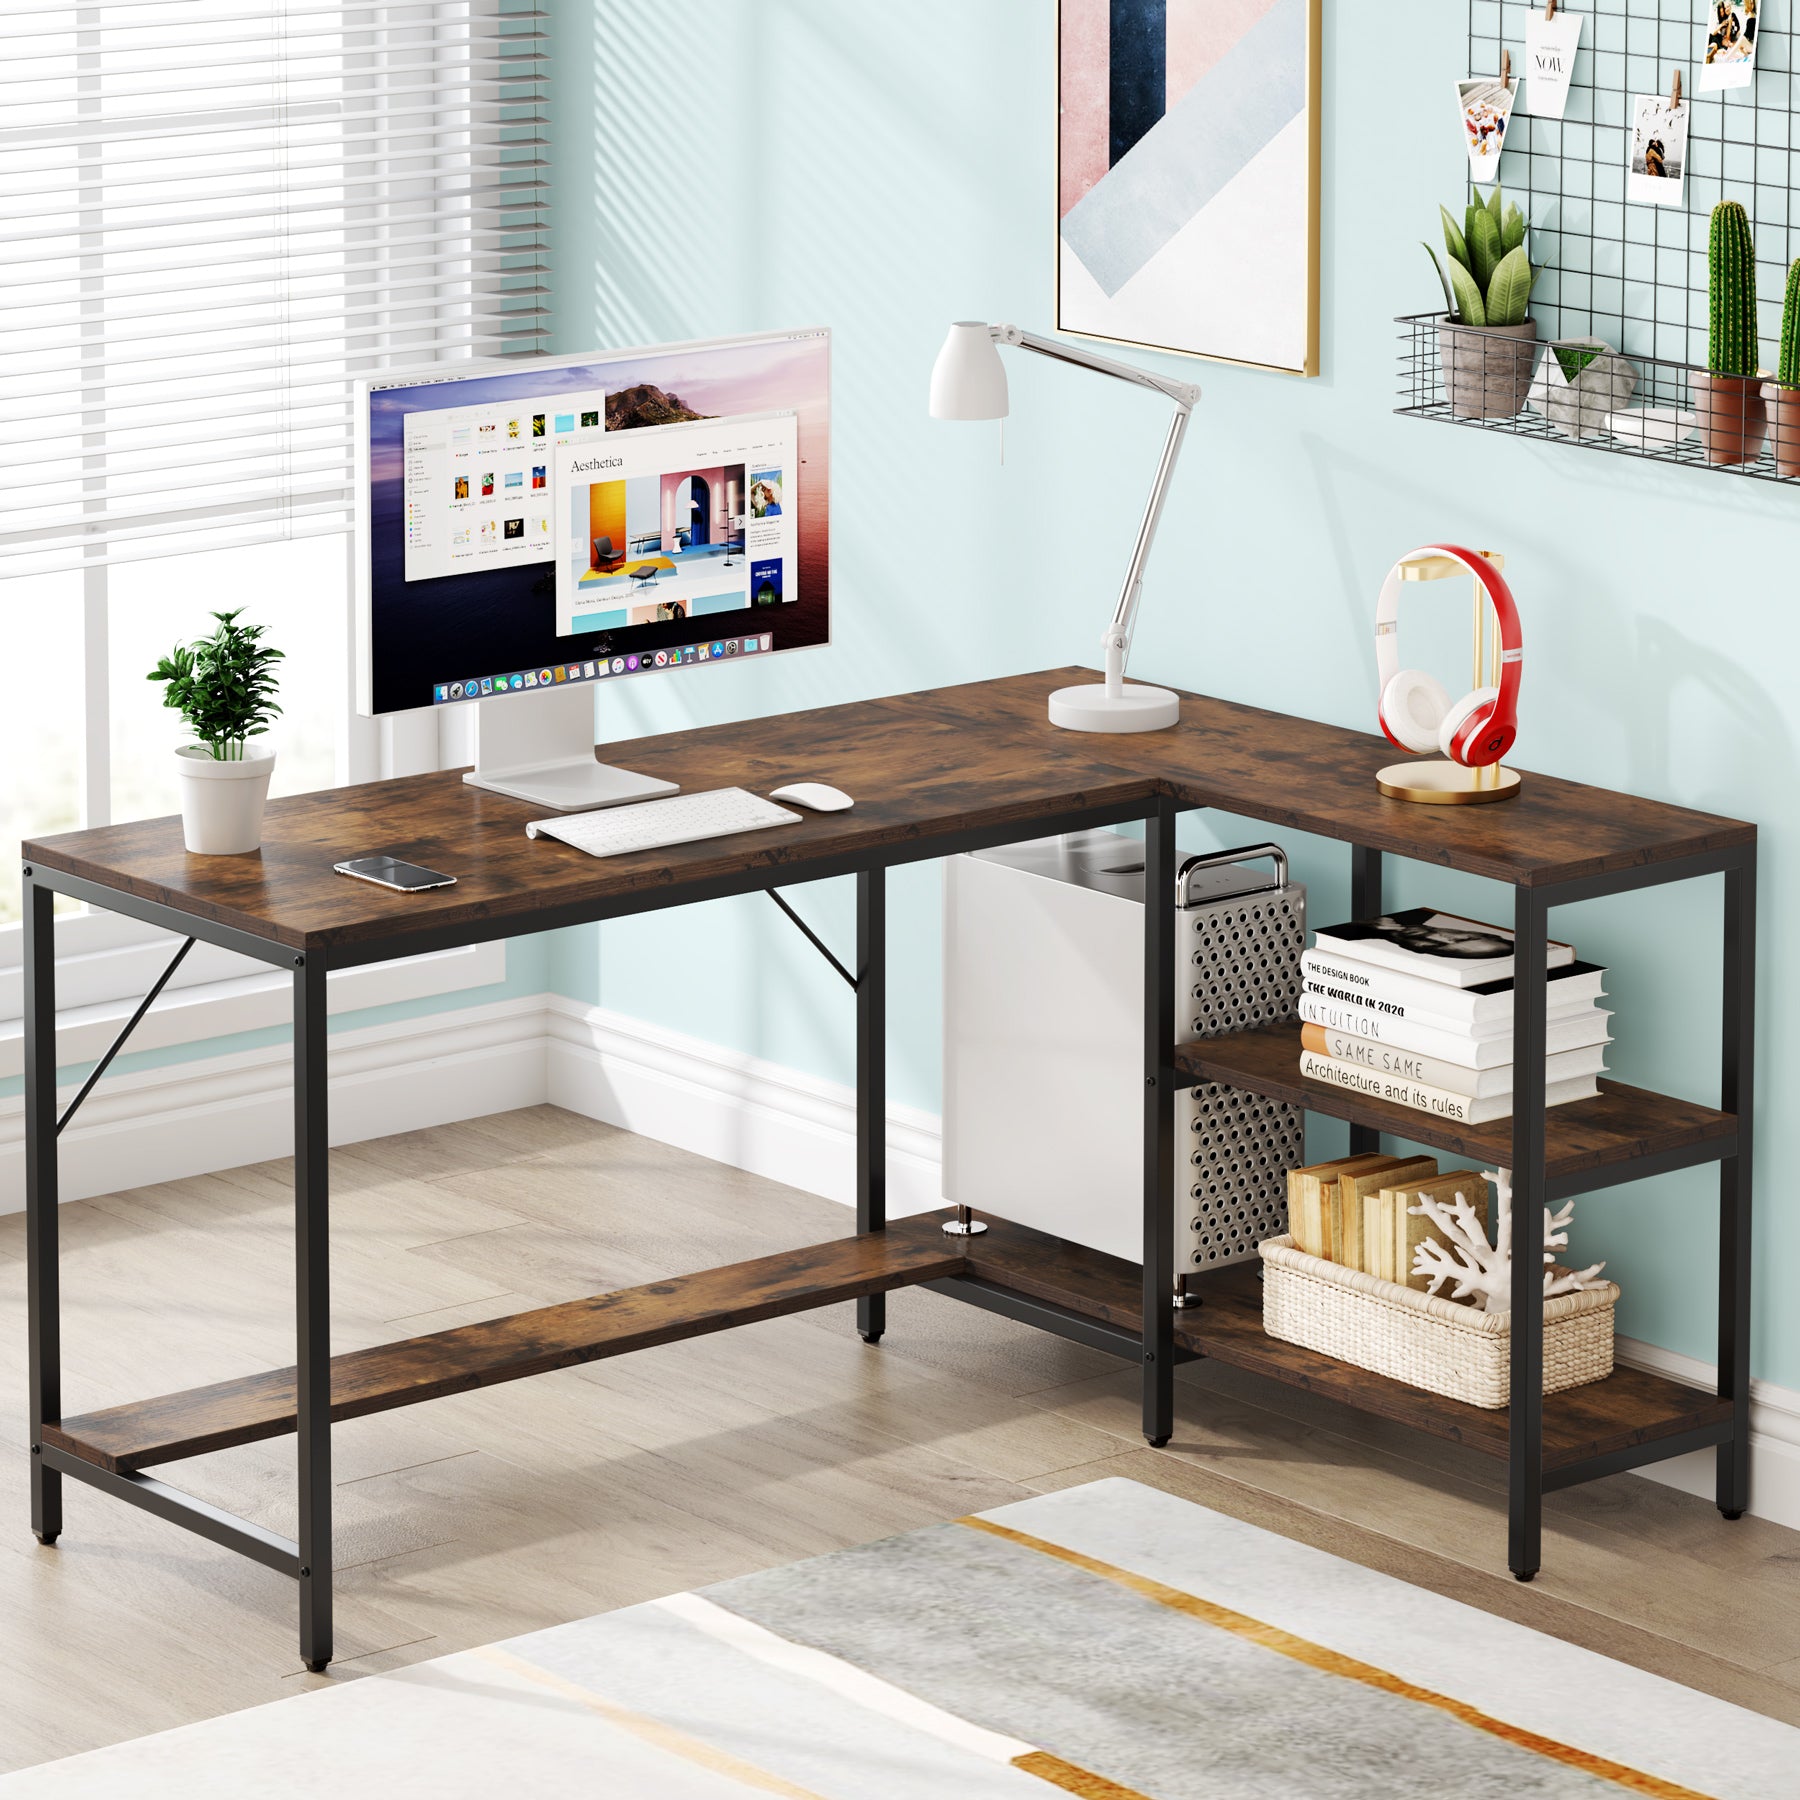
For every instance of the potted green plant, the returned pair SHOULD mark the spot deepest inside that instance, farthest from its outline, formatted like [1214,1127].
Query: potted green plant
[1782,395]
[1486,344]
[1728,402]
[224,687]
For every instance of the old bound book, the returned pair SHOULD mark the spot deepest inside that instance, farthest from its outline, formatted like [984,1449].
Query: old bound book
[1309,1202]
[1347,1204]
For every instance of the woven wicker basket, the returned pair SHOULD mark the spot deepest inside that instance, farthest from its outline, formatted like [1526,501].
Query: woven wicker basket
[1443,1346]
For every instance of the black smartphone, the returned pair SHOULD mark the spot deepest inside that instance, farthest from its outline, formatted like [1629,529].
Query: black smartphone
[391,872]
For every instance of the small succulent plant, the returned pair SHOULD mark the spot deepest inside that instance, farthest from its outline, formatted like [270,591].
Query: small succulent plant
[1490,274]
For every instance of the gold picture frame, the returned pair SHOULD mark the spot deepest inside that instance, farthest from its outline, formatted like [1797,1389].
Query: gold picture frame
[1161,142]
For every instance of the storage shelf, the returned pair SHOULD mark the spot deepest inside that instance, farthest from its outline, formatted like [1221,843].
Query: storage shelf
[1627,1412]
[1620,1134]
[1423,394]
[124,1439]
[1620,1416]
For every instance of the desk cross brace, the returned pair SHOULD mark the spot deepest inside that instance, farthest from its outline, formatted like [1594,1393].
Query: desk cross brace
[812,937]
[118,1043]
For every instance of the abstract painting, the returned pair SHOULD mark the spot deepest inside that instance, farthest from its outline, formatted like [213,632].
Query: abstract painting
[1188,177]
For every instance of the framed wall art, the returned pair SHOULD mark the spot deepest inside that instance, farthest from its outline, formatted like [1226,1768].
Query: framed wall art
[1188,177]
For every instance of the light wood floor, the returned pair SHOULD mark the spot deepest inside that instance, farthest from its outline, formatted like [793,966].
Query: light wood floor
[473,1518]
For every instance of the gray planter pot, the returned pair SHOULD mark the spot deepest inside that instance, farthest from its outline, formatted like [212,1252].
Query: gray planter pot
[1487,368]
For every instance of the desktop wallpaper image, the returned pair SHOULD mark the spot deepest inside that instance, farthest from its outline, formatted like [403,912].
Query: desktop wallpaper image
[495,620]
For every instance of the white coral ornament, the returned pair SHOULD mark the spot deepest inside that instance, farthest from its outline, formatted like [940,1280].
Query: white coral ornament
[1478,1268]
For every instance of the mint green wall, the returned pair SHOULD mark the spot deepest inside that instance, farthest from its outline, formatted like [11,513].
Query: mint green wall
[884,170]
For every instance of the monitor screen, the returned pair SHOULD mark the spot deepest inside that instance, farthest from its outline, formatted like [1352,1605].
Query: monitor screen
[580,518]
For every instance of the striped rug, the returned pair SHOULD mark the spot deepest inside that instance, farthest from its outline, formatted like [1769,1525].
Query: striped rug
[1110,1641]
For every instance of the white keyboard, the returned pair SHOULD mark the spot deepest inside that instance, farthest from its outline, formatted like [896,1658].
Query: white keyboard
[654,824]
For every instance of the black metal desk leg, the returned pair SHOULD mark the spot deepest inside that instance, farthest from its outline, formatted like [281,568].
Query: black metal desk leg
[1159,1125]
[871,1078]
[312,1303]
[43,1296]
[1526,1434]
[1736,1094]
[1365,903]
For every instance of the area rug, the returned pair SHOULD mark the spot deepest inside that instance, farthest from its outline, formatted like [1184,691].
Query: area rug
[1110,1641]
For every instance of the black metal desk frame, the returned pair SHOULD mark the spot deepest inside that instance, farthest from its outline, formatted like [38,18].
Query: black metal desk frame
[308,1557]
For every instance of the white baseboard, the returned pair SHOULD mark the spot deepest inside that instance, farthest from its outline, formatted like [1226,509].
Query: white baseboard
[192,1118]
[189,1119]
[735,1109]
[1774,1435]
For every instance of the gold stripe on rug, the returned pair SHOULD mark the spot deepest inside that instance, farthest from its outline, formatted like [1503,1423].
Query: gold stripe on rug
[1072,1780]
[1332,1662]
[651,1731]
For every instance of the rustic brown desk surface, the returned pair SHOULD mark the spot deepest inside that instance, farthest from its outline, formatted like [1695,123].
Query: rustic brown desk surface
[918,765]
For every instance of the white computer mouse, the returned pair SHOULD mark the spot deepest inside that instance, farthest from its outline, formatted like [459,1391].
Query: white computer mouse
[815,796]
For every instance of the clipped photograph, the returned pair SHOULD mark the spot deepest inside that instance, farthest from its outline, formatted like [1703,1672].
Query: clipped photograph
[1730,45]
[1486,106]
[1658,156]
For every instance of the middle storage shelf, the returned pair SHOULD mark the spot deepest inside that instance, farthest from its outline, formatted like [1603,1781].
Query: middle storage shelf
[1622,1134]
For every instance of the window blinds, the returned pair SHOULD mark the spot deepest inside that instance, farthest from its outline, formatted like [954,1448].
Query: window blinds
[214,215]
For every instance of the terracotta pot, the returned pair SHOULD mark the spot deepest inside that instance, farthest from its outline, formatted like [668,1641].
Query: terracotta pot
[1487,368]
[1731,416]
[1784,419]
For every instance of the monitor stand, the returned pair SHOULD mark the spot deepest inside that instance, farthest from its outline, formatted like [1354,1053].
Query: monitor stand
[540,747]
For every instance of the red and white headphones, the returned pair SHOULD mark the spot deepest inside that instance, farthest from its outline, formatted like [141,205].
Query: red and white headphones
[1416,711]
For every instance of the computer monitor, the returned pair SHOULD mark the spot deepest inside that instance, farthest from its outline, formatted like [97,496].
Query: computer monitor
[530,530]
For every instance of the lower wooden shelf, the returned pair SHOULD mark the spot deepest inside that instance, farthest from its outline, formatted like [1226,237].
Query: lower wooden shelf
[124,1439]
[1628,1410]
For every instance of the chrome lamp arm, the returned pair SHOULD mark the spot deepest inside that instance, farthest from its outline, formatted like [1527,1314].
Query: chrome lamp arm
[1116,640]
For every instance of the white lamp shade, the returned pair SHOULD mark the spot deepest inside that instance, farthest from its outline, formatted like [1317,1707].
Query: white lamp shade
[968,380]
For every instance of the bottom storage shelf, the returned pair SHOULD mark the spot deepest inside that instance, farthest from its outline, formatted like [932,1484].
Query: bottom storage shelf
[1630,1411]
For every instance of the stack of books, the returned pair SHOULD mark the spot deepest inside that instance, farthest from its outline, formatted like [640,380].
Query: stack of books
[1357,1210]
[1416,1008]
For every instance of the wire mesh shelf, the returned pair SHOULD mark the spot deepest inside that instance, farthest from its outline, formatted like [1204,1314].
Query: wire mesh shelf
[1630,405]
[1631,277]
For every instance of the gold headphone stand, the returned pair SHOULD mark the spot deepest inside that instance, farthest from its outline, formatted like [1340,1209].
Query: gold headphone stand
[1440,782]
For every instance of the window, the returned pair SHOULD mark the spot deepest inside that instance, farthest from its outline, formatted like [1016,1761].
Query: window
[216,215]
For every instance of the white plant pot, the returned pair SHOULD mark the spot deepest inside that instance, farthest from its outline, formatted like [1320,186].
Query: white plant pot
[222,802]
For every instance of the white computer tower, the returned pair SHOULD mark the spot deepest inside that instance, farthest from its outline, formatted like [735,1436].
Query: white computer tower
[1043,1042]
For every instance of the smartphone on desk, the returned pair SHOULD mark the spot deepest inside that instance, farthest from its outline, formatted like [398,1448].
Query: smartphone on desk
[391,872]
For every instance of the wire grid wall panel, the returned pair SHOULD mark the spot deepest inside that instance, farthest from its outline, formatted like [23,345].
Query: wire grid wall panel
[1630,273]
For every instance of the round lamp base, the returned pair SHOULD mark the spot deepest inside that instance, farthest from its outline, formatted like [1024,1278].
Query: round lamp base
[1087,708]
[1443,783]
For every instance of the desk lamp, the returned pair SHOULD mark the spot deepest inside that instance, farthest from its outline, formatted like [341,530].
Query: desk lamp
[968,381]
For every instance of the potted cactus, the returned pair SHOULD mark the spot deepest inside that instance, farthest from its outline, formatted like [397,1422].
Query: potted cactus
[1486,344]
[1782,395]
[1728,402]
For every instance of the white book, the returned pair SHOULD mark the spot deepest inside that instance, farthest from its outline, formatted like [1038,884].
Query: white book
[1569,1028]
[1439,1102]
[1379,990]
[1433,945]
[1438,1071]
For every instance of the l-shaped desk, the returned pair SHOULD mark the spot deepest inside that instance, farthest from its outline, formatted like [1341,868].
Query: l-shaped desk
[934,774]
